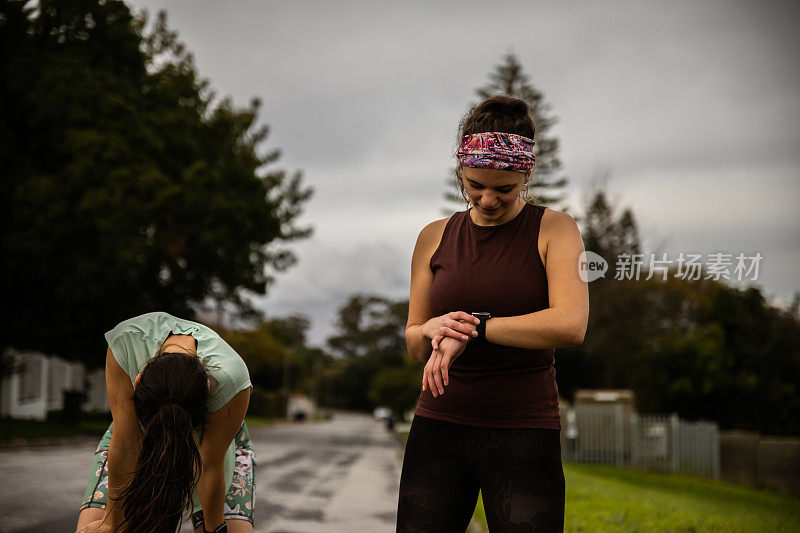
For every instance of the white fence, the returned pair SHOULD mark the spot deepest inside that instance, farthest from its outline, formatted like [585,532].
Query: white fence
[611,434]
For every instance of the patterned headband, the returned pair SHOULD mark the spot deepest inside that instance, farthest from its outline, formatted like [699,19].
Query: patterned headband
[493,149]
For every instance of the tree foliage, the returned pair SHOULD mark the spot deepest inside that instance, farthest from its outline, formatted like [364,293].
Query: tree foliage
[396,387]
[281,363]
[374,366]
[128,186]
[700,348]
[371,325]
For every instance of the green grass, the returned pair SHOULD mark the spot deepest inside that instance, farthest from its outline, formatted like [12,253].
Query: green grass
[259,421]
[606,498]
[610,499]
[93,424]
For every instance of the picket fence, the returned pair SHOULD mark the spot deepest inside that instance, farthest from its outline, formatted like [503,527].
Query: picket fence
[598,433]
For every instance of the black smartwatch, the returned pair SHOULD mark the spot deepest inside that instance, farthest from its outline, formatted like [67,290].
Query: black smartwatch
[481,327]
[220,529]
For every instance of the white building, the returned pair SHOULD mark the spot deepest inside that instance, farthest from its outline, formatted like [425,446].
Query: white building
[40,384]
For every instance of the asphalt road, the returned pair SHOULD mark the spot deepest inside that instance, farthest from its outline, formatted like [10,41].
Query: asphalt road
[336,476]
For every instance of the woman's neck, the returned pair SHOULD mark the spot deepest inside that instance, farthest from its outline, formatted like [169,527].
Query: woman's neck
[180,343]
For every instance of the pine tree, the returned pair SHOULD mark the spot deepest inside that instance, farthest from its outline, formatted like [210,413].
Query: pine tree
[509,78]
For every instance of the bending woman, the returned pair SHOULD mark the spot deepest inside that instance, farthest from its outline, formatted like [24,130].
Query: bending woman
[178,395]
[494,289]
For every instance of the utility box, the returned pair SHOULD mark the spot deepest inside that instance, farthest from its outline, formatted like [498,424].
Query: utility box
[601,427]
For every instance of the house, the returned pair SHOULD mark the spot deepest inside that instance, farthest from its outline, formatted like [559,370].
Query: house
[39,386]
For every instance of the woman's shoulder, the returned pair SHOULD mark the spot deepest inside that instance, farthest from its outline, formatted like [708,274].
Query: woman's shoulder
[553,220]
[229,370]
[555,227]
[434,229]
[431,234]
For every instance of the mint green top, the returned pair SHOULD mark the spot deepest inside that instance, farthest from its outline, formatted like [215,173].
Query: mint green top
[137,340]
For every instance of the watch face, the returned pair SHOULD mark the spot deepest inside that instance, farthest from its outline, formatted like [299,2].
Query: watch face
[482,316]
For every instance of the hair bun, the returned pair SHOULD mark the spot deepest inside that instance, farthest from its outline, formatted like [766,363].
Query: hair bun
[504,104]
[500,112]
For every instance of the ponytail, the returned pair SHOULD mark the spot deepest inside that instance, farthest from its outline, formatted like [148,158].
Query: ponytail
[170,402]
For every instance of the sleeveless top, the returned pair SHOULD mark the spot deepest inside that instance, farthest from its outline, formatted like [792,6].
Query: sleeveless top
[496,269]
[136,340]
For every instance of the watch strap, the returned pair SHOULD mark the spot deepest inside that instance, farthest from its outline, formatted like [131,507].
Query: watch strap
[481,327]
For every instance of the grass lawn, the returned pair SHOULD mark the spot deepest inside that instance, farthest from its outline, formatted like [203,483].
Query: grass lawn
[93,424]
[260,421]
[608,499]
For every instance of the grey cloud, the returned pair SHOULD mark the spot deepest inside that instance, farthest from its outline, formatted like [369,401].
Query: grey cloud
[693,106]
[329,274]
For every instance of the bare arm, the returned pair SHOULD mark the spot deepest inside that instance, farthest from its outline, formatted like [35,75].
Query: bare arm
[564,322]
[220,429]
[422,326]
[126,437]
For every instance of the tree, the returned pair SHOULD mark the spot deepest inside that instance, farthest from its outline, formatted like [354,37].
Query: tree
[280,363]
[369,341]
[510,79]
[128,186]
[739,364]
[371,325]
[699,347]
[607,233]
[619,318]
[396,387]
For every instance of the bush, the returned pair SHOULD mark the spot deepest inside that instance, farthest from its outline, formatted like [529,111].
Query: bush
[396,387]
[268,404]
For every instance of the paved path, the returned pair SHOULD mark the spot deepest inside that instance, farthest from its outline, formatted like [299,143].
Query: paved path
[342,475]
[335,476]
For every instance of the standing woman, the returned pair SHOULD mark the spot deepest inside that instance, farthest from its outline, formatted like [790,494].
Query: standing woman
[178,395]
[494,289]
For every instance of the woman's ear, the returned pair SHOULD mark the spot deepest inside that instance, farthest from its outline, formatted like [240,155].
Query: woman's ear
[209,384]
[136,381]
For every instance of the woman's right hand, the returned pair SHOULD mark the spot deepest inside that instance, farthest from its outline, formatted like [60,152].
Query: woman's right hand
[457,325]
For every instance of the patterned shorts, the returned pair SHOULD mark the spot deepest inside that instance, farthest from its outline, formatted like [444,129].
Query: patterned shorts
[239,499]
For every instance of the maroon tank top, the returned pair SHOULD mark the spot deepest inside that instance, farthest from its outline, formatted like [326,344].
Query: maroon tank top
[496,269]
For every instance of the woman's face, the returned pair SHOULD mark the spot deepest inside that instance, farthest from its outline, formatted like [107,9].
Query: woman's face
[495,194]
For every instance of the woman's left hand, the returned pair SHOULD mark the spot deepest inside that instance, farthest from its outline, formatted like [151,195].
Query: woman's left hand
[435,376]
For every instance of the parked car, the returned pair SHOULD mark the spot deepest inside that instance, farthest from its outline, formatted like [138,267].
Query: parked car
[382,412]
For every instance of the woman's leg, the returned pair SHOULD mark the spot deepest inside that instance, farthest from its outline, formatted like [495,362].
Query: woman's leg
[437,492]
[521,477]
[240,498]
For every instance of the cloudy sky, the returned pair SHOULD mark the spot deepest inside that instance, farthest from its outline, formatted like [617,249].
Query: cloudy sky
[692,107]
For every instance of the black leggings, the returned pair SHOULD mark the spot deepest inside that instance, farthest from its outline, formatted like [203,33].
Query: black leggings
[517,470]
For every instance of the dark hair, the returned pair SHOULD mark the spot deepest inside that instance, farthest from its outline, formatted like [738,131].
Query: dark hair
[497,113]
[171,403]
